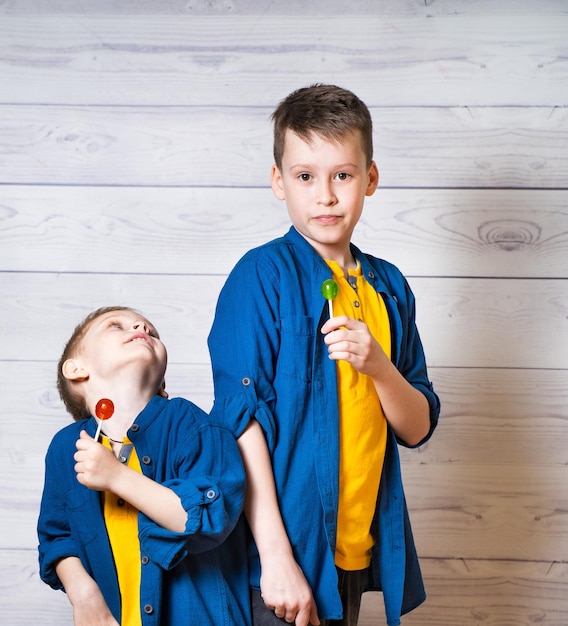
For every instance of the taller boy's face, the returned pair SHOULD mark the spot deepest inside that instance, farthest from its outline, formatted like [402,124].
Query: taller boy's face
[324,184]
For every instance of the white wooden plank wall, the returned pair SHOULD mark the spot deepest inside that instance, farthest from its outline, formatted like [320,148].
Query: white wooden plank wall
[135,150]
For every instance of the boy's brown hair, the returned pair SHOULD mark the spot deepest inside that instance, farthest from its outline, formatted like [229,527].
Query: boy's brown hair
[74,403]
[328,111]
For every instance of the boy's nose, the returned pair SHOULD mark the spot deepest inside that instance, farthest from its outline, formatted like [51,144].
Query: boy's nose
[325,194]
[140,325]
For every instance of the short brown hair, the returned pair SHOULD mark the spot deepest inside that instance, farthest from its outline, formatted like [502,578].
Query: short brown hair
[74,403]
[326,110]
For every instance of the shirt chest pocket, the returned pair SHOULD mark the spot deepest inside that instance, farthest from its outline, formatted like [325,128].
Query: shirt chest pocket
[296,353]
[84,516]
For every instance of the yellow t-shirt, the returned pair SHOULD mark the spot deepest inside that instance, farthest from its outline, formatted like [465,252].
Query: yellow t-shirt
[362,425]
[121,521]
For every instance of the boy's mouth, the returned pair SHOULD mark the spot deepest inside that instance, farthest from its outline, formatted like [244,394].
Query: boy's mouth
[326,219]
[143,336]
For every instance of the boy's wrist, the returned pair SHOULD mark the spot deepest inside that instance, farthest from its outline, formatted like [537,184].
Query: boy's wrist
[277,549]
[118,481]
[78,584]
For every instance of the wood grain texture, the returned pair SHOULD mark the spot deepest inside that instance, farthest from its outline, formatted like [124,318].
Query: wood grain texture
[490,484]
[426,232]
[135,151]
[486,411]
[460,593]
[491,511]
[25,598]
[463,322]
[493,322]
[469,511]
[134,146]
[496,593]
[256,60]
[318,8]
[497,416]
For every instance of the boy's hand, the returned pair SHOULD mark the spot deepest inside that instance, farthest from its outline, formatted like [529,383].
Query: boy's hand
[350,340]
[285,591]
[96,466]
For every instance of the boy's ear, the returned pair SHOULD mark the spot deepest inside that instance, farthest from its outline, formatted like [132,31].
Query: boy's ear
[276,180]
[373,179]
[72,370]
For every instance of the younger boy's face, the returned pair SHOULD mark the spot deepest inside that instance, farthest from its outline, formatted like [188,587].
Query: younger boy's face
[324,184]
[121,341]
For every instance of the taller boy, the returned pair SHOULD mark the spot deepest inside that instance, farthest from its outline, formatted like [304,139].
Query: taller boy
[319,404]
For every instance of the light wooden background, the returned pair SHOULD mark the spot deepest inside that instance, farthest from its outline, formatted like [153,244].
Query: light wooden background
[135,150]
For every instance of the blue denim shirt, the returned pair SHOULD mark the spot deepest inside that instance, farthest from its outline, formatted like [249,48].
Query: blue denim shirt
[270,363]
[190,577]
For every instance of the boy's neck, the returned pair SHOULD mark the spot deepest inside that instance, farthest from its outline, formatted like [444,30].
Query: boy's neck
[340,254]
[127,406]
[345,262]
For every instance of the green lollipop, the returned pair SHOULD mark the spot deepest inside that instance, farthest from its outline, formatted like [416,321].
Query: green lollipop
[329,290]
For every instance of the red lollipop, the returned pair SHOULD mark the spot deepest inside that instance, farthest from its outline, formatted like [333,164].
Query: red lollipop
[103,410]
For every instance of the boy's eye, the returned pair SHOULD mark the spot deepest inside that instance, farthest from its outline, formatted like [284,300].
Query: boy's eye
[343,176]
[305,177]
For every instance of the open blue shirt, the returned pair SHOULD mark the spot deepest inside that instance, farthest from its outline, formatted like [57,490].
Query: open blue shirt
[187,578]
[270,363]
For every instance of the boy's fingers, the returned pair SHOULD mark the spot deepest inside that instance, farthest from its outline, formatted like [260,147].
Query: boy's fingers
[314,619]
[305,617]
[84,440]
[333,323]
[342,321]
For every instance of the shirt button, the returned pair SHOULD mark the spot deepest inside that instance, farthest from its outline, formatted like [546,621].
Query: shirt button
[356,304]
[135,428]
[120,502]
[148,609]
[145,560]
[146,460]
[246,382]
[211,494]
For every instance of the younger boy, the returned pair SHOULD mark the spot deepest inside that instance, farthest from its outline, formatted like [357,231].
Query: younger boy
[319,404]
[131,528]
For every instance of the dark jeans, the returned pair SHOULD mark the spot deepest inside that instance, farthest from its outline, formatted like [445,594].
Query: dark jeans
[351,585]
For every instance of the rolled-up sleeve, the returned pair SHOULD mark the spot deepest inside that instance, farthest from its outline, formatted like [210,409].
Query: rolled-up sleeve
[56,540]
[244,344]
[211,488]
